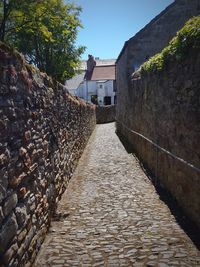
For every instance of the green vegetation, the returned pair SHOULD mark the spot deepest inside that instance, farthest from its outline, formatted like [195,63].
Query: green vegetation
[186,39]
[45,32]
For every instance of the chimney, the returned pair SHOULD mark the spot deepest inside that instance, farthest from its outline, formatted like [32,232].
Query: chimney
[91,63]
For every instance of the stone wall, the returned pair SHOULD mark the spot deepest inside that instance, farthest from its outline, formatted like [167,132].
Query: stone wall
[105,114]
[152,39]
[159,115]
[43,131]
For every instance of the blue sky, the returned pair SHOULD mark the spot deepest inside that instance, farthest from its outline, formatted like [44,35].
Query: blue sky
[109,23]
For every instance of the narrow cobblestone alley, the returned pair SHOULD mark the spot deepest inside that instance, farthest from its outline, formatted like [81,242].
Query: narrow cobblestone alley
[112,215]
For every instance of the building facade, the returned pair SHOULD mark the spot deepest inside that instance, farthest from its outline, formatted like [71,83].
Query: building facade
[98,84]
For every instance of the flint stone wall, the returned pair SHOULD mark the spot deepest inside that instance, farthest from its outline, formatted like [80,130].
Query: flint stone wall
[159,116]
[105,114]
[43,131]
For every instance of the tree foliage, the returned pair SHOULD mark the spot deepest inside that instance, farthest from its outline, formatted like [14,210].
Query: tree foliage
[45,32]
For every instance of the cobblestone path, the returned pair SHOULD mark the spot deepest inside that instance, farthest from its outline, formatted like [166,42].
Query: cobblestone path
[112,215]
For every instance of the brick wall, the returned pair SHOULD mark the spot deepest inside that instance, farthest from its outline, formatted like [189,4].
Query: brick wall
[43,131]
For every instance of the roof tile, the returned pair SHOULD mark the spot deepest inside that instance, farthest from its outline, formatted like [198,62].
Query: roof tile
[103,73]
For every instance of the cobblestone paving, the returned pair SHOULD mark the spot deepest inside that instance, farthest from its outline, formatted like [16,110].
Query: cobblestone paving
[112,216]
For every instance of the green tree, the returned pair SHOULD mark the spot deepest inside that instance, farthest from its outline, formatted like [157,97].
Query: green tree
[45,32]
[5,9]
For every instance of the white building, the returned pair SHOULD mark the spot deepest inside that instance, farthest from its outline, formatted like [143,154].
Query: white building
[98,84]
[73,84]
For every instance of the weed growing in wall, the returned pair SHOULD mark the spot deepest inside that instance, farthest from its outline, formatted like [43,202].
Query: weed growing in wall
[186,39]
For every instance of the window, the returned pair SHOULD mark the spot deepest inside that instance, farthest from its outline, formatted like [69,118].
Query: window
[107,100]
[94,99]
[100,86]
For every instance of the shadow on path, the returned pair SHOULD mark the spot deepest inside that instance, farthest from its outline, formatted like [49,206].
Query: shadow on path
[189,227]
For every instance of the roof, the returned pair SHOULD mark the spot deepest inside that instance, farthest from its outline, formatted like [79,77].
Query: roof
[74,82]
[99,62]
[99,73]
[106,72]
[104,62]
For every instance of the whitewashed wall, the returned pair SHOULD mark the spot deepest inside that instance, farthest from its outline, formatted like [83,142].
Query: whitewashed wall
[101,89]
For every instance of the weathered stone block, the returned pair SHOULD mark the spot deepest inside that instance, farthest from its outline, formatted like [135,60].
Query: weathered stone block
[4,158]
[21,214]
[3,125]
[3,179]
[31,203]
[1,215]
[10,204]
[7,232]
[13,89]
[22,151]
[29,236]
[21,236]
[6,102]
[10,254]
[22,192]
[14,263]
[2,192]
[4,89]
[21,251]
[27,135]
[14,181]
